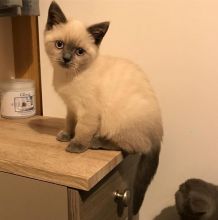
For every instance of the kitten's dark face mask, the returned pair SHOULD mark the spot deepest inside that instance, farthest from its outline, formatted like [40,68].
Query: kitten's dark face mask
[69,53]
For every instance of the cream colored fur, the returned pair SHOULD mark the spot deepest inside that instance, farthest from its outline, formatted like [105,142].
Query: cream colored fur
[111,96]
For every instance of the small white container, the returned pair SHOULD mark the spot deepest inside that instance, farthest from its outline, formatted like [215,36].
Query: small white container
[17,98]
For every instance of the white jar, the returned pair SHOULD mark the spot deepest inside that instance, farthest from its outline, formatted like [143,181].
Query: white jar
[17,98]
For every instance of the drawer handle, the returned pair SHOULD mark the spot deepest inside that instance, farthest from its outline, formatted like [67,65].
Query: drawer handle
[124,197]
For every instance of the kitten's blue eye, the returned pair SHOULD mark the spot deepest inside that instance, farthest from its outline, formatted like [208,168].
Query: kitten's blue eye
[59,44]
[80,51]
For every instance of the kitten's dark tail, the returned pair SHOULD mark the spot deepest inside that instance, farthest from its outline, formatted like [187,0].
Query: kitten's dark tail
[145,172]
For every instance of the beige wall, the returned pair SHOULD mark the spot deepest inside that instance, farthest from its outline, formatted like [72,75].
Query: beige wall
[175,42]
[6,49]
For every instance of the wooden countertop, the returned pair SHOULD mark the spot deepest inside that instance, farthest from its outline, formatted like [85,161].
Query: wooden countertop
[28,147]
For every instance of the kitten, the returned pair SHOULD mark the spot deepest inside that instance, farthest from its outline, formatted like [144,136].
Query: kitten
[197,200]
[110,103]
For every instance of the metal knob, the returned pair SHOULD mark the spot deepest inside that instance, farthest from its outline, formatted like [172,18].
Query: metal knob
[124,197]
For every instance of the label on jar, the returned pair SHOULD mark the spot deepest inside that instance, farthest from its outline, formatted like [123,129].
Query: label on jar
[18,103]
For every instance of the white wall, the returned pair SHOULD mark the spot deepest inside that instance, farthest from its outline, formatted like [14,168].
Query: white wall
[176,43]
[6,49]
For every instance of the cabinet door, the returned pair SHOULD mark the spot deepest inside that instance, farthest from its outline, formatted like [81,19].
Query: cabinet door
[99,203]
[27,199]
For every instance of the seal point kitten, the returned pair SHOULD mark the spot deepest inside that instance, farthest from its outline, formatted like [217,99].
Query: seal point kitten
[197,200]
[110,103]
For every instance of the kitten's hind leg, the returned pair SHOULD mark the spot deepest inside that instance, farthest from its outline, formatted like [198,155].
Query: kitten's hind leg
[76,148]
[102,143]
[68,133]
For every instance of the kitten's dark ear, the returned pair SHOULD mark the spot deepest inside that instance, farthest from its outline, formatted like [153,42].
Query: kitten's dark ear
[55,16]
[98,31]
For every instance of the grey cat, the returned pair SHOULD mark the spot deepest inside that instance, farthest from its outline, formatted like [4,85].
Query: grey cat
[197,200]
[110,102]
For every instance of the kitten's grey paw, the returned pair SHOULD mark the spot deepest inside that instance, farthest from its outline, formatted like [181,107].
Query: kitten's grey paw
[102,143]
[76,147]
[96,143]
[63,136]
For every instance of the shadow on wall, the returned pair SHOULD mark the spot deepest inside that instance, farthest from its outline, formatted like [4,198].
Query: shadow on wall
[169,213]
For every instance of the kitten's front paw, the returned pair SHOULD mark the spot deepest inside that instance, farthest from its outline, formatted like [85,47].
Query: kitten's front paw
[63,136]
[74,147]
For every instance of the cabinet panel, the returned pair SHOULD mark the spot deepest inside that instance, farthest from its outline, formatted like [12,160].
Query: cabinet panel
[99,202]
[27,199]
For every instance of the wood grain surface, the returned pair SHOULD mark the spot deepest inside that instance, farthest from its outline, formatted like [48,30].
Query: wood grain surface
[28,147]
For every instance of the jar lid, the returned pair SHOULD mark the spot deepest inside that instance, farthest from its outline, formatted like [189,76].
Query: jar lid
[13,84]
